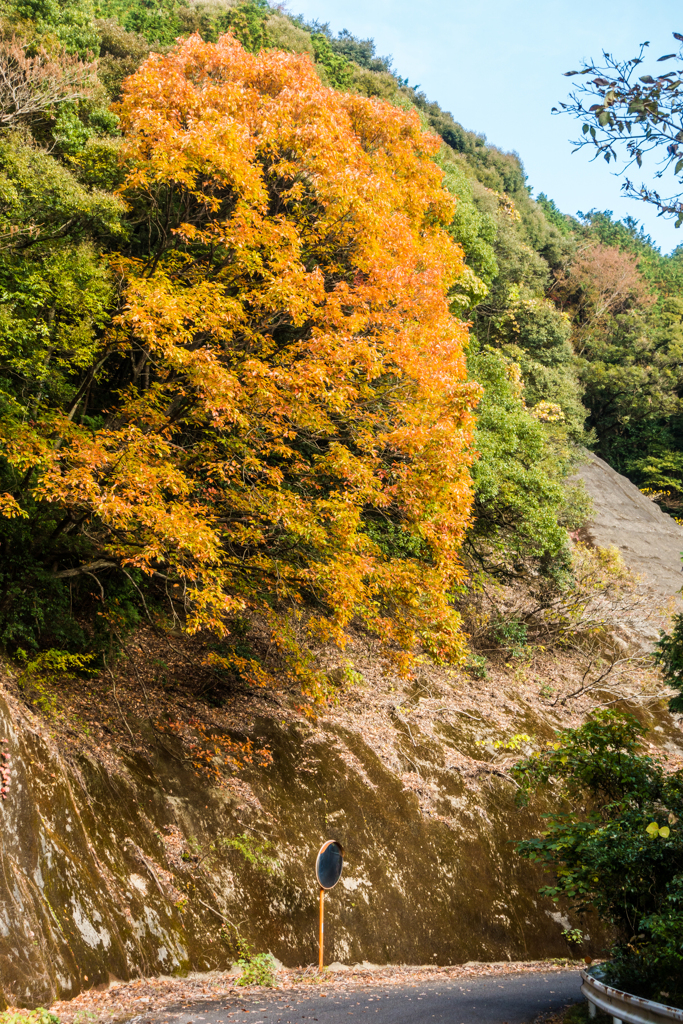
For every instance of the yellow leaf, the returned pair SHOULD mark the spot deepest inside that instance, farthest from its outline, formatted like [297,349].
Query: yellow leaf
[10,508]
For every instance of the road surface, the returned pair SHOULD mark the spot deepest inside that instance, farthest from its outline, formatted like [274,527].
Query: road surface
[506,999]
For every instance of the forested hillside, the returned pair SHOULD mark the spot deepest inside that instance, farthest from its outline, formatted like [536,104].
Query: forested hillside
[240,395]
[297,377]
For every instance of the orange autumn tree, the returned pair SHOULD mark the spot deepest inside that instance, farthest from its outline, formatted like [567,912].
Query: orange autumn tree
[288,423]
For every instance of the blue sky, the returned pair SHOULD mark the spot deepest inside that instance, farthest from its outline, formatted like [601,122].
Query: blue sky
[497,66]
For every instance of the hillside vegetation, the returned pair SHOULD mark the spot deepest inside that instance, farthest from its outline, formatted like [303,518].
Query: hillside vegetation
[295,373]
[239,392]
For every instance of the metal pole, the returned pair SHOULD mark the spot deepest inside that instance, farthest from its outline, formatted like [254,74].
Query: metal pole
[322,928]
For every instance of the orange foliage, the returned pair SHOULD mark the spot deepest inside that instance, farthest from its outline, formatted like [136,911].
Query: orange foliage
[298,427]
[211,754]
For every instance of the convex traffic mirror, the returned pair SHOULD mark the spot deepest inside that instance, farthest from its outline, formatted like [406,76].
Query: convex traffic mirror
[329,865]
[328,868]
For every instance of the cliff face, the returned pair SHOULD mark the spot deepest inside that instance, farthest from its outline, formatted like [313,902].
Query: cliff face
[107,869]
[126,862]
[141,828]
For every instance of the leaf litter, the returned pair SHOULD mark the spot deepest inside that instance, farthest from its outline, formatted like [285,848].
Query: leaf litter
[138,999]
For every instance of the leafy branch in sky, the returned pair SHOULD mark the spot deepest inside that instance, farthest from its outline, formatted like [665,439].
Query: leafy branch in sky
[625,113]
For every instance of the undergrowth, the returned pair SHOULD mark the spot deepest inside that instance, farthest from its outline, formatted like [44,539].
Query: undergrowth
[256,968]
[38,1016]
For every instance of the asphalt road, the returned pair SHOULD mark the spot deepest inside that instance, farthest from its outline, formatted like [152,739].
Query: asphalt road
[506,999]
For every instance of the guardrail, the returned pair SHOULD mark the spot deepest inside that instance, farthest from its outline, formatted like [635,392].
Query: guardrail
[622,1006]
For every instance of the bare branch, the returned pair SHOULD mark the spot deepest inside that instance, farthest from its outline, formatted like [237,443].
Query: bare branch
[101,563]
[31,86]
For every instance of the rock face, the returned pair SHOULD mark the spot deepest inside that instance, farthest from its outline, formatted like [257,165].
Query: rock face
[650,541]
[113,874]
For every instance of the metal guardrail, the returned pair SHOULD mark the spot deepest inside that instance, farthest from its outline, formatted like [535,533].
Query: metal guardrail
[622,1006]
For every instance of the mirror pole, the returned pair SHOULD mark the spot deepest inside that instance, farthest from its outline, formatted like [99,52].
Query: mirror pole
[322,928]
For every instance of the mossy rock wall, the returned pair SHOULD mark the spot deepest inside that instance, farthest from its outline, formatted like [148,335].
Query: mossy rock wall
[108,871]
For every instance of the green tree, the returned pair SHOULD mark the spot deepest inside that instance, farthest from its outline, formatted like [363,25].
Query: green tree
[58,294]
[69,23]
[337,69]
[522,510]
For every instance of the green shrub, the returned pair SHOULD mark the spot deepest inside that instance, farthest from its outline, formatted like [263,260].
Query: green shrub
[512,635]
[69,22]
[477,667]
[257,969]
[254,852]
[69,132]
[618,848]
[669,654]
[157,21]
[41,674]
[580,1014]
[283,34]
